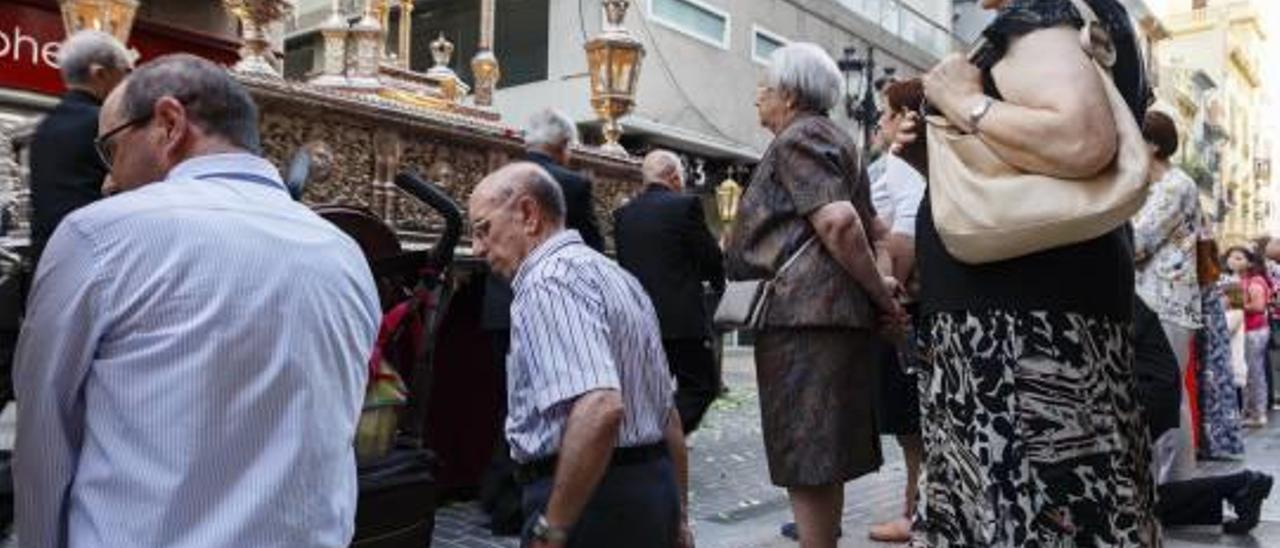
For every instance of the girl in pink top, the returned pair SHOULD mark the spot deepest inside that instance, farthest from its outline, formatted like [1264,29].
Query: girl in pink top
[1257,293]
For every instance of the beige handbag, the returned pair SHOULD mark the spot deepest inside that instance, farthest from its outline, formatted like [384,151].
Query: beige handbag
[986,210]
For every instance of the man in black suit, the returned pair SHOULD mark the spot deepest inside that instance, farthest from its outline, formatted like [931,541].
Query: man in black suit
[549,135]
[66,173]
[662,238]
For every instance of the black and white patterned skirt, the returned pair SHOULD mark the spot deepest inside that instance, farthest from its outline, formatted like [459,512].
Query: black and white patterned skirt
[1033,433]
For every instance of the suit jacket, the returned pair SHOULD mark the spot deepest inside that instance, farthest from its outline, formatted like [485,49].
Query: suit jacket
[579,215]
[663,240]
[66,173]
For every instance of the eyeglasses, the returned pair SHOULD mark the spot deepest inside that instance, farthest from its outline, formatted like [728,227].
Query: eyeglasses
[480,228]
[105,146]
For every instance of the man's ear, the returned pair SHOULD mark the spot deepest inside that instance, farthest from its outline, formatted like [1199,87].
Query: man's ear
[529,219]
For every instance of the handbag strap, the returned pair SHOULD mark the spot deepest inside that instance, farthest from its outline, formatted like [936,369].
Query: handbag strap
[1105,57]
[795,256]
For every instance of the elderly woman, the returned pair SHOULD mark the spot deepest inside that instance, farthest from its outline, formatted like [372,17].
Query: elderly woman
[810,198]
[1033,431]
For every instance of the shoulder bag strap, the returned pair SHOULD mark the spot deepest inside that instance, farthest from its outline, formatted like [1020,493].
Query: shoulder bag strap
[795,256]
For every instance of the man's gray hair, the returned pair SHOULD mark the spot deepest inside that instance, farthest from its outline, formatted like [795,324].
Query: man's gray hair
[86,48]
[550,127]
[214,101]
[660,165]
[806,72]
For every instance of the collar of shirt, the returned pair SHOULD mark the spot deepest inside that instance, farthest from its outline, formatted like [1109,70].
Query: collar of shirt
[227,163]
[553,244]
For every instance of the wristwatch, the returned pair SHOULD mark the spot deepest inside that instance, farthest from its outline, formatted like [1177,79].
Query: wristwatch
[544,532]
[979,111]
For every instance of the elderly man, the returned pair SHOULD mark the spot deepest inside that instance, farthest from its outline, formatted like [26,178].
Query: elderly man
[550,136]
[590,419]
[65,171]
[663,240]
[194,362]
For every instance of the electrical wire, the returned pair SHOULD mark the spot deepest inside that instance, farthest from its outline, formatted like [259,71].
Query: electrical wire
[666,68]
[582,23]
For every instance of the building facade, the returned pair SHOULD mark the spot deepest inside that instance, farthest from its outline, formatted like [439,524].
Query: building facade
[704,59]
[1213,50]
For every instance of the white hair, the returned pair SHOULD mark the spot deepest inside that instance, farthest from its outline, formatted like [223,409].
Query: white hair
[86,48]
[660,165]
[550,127]
[805,71]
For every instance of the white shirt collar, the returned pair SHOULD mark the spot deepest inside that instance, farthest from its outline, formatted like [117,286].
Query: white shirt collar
[233,162]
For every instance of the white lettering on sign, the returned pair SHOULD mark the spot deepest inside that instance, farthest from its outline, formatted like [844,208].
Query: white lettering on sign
[25,48]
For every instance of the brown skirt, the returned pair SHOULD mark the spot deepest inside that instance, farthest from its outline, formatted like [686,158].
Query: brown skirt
[817,404]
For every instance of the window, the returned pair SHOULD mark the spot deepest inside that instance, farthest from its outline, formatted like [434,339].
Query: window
[763,44]
[693,18]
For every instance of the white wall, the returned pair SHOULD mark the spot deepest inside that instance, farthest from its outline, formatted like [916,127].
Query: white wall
[708,90]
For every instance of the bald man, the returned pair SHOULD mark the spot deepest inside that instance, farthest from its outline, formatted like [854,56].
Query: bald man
[590,420]
[663,240]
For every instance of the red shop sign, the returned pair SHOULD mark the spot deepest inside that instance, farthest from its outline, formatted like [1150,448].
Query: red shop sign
[30,35]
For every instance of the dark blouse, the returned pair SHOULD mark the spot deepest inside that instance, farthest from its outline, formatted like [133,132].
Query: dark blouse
[1095,277]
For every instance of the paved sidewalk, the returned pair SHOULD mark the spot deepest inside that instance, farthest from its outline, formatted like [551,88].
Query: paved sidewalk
[734,506]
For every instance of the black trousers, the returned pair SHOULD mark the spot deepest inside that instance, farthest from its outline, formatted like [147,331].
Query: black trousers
[634,506]
[499,492]
[1198,501]
[697,383]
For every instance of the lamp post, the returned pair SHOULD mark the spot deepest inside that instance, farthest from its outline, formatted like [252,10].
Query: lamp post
[861,107]
[728,195]
[114,17]
[613,60]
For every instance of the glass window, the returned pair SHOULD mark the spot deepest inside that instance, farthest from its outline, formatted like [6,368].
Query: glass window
[520,37]
[696,19]
[764,43]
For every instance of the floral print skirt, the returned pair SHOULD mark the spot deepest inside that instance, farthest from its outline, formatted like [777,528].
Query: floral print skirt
[1033,433]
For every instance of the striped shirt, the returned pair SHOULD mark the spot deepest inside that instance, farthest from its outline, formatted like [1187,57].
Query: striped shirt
[192,368]
[580,323]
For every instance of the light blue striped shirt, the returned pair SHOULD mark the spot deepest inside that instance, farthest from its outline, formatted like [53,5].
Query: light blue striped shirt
[579,323]
[192,369]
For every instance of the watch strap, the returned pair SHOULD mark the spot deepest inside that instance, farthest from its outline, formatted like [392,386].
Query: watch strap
[543,531]
[980,112]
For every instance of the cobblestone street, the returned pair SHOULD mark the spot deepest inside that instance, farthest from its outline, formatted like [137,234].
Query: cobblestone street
[733,505]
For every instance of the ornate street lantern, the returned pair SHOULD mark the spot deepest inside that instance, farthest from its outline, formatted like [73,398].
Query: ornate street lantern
[255,16]
[613,60]
[114,17]
[728,194]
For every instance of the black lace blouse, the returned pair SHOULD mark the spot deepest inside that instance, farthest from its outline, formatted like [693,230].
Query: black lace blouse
[1095,277]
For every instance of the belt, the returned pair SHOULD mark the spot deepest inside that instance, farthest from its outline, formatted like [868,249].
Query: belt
[623,456]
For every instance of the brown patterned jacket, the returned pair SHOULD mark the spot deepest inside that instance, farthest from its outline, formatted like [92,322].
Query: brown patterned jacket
[811,163]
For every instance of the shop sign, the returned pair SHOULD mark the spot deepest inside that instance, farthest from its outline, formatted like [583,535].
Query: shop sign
[31,34]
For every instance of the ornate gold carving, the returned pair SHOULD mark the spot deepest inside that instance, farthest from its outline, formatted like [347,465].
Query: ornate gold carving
[255,16]
[371,139]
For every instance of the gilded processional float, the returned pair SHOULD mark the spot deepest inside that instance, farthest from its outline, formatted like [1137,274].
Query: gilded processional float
[366,117]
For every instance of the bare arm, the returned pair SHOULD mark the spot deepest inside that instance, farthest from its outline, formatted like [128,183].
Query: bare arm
[840,229]
[1256,298]
[674,436]
[589,437]
[1056,118]
[902,254]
